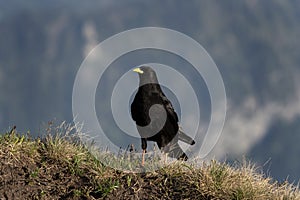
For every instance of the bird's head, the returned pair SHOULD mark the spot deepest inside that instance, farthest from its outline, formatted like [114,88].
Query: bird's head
[144,70]
[146,74]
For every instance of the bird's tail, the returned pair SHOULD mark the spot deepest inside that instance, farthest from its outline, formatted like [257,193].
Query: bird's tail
[175,151]
[185,138]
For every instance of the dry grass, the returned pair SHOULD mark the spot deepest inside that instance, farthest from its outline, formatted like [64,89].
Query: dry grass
[60,167]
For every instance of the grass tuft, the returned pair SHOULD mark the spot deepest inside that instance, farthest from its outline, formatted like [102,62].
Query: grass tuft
[58,166]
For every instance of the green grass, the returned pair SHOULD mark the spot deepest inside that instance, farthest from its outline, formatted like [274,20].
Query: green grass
[58,166]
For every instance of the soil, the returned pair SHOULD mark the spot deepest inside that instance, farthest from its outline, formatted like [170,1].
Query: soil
[20,180]
[27,179]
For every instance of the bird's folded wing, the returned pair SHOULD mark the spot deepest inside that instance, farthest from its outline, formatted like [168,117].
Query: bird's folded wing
[169,108]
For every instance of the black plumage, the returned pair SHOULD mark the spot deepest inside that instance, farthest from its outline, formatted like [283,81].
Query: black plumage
[160,123]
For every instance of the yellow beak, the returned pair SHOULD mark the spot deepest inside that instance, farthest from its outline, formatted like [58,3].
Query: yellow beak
[138,70]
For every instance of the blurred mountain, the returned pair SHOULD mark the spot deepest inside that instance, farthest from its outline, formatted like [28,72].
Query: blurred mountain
[254,44]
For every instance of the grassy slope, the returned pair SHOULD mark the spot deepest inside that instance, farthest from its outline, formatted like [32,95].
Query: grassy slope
[57,167]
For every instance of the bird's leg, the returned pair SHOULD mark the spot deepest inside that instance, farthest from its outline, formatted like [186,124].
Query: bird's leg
[166,157]
[131,152]
[164,154]
[143,157]
[144,147]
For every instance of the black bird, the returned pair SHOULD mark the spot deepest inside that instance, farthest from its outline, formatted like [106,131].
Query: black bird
[155,116]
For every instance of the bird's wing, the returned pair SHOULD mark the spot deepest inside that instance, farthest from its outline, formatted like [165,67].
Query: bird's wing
[169,108]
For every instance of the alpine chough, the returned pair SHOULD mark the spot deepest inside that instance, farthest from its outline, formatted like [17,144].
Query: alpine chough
[155,116]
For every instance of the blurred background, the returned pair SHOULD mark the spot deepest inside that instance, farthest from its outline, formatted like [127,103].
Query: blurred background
[255,45]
